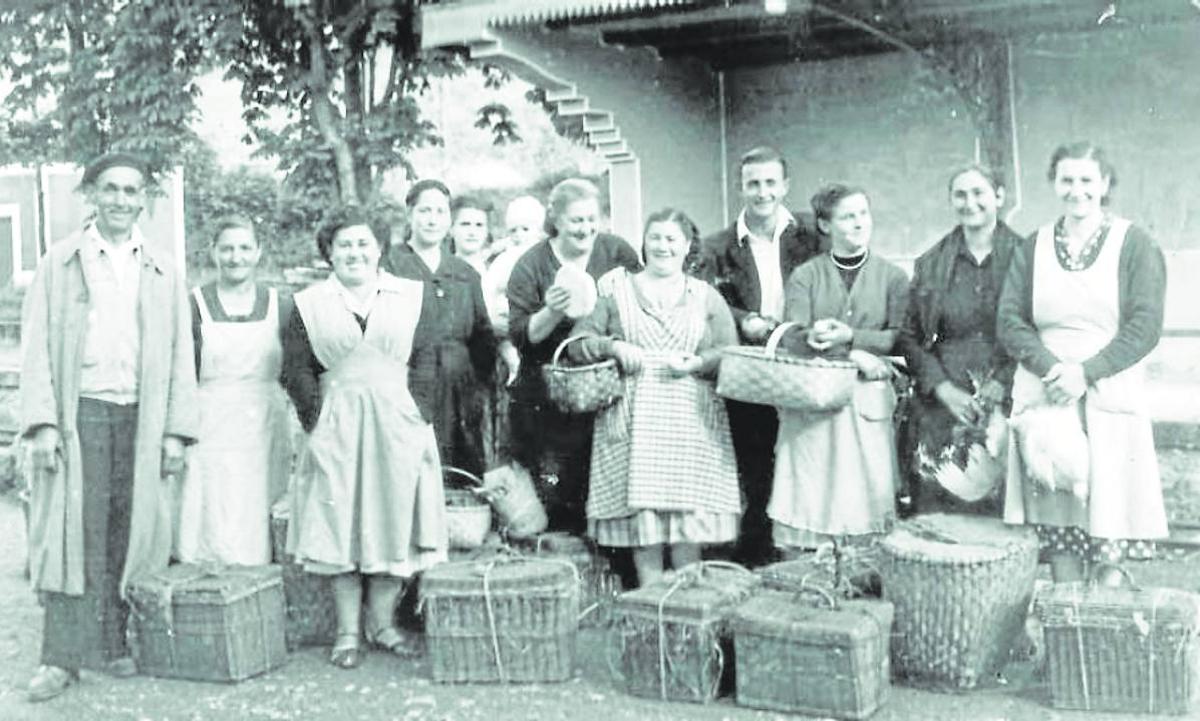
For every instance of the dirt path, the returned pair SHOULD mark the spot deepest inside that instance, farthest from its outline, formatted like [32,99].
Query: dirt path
[386,688]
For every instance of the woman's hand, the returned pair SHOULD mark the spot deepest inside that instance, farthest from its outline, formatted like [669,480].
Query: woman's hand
[558,299]
[828,332]
[961,405]
[1065,383]
[683,364]
[512,361]
[756,328]
[628,356]
[871,366]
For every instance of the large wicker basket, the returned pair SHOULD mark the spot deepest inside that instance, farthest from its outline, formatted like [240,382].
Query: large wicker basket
[822,658]
[962,587]
[308,599]
[1122,649]
[510,619]
[468,517]
[219,624]
[761,375]
[671,639]
[582,389]
[850,569]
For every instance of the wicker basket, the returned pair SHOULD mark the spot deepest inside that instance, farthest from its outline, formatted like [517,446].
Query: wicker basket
[509,619]
[223,624]
[582,389]
[760,375]
[1122,649]
[850,570]
[310,616]
[961,586]
[468,517]
[671,639]
[827,658]
[598,585]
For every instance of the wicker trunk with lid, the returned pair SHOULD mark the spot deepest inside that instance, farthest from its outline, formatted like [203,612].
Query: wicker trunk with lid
[310,616]
[509,619]
[208,625]
[671,639]
[1122,649]
[815,655]
[961,586]
[598,585]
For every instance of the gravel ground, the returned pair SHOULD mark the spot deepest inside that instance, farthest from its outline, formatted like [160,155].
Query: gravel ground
[387,688]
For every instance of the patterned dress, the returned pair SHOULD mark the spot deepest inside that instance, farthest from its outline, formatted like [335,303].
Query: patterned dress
[663,469]
[369,487]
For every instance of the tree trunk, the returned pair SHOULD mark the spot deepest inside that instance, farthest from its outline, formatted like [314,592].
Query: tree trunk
[325,114]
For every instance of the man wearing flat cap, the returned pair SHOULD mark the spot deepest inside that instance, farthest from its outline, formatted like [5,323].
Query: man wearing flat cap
[108,390]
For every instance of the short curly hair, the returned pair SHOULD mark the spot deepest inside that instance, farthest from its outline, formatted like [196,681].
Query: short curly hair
[691,262]
[346,216]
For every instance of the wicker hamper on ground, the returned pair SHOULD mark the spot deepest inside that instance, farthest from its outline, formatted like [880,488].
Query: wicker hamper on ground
[310,616]
[671,639]
[510,619]
[811,654]
[598,585]
[208,625]
[851,571]
[1122,649]
[961,586]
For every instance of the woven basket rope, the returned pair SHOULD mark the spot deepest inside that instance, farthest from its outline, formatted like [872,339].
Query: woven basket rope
[764,376]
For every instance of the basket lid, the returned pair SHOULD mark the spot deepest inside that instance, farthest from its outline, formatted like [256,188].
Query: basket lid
[192,583]
[700,592]
[806,615]
[949,538]
[1083,603]
[503,574]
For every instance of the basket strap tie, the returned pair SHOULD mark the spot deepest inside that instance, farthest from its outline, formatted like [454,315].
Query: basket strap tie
[1078,618]
[692,575]
[491,612]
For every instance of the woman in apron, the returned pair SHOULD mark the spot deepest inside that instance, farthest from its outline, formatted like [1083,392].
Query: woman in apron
[663,472]
[1081,308]
[241,463]
[835,473]
[368,508]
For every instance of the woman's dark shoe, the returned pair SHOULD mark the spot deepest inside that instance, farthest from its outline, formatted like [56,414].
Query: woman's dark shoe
[346,651]
[123,667]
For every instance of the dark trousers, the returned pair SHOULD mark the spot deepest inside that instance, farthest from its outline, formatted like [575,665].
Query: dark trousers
[754,429]
[88,631]
[556,447]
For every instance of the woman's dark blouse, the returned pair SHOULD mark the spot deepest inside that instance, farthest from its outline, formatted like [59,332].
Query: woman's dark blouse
[950,329]
[1141,292]
[531,277]
[213,303]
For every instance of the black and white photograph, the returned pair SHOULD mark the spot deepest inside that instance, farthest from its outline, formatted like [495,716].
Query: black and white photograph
[599,360]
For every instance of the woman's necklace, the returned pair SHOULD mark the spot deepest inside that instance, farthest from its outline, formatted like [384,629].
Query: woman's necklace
[853,265]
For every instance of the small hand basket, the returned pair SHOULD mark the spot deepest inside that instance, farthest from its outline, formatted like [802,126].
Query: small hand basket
[468,517]
[582,389]
[760,375]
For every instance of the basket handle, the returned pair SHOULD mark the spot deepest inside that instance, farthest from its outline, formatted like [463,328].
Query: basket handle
[806,587]
[776,336]
[562,346]
[1120,570]
[465,474]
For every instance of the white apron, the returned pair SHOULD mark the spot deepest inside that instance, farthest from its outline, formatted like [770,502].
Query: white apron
[242,459]
[1077,314]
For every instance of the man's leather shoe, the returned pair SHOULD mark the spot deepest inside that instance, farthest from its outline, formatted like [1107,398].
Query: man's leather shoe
[50,681]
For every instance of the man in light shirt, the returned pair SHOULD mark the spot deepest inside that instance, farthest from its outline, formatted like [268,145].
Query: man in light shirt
[749,263]
[108,389]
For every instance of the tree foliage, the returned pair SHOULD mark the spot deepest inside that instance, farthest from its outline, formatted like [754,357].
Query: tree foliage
[329,87]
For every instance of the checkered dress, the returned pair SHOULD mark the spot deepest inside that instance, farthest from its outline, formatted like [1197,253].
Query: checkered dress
[663,468]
